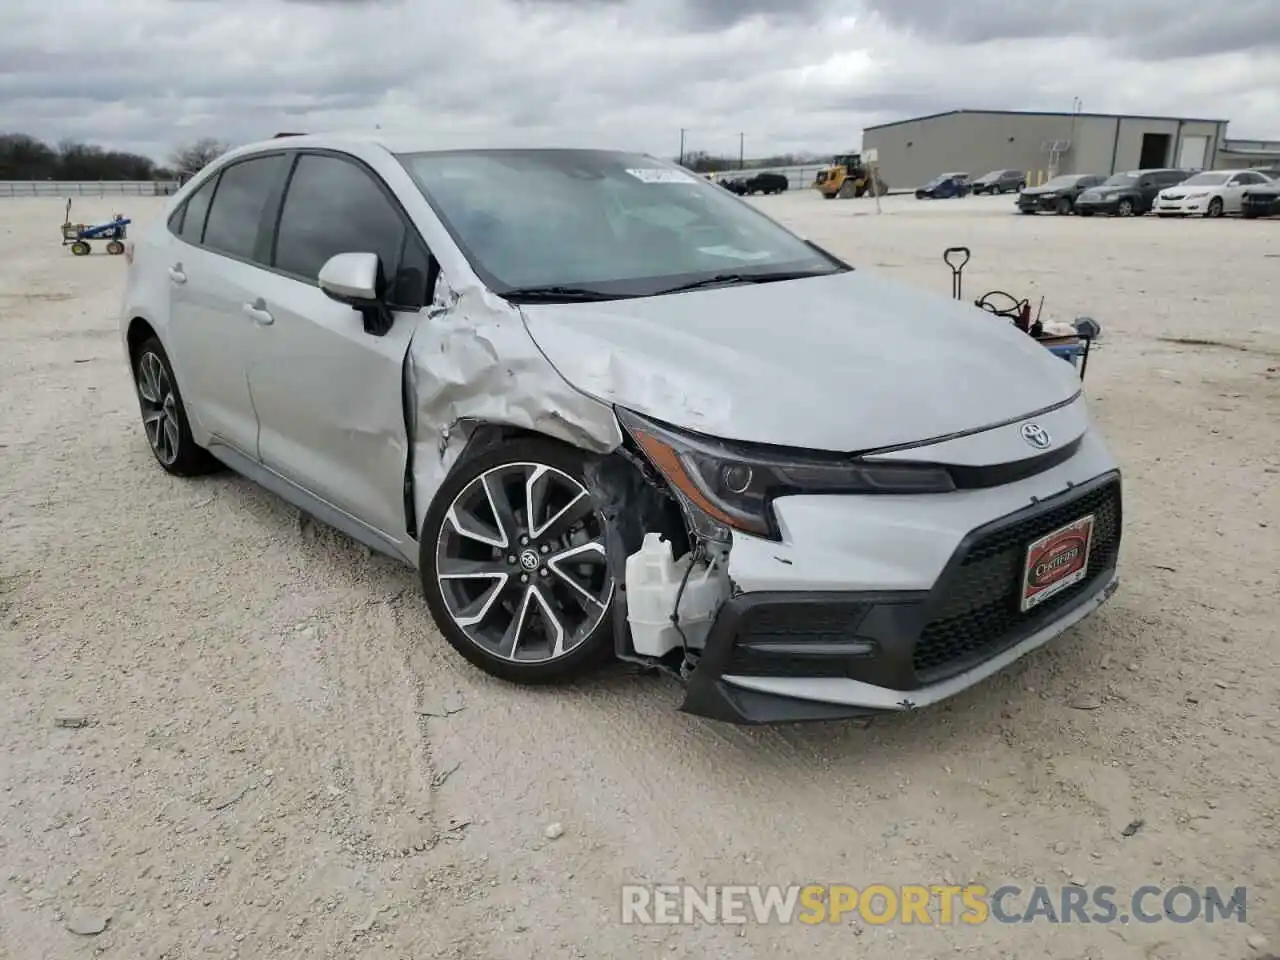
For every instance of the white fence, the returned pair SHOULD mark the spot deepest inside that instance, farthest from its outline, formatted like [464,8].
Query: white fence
[87,188]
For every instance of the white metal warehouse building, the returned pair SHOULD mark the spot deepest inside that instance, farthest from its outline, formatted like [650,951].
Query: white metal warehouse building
[910,152]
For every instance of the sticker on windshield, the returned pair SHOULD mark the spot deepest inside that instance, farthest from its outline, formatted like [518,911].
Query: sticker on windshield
[734,253]
[660,175]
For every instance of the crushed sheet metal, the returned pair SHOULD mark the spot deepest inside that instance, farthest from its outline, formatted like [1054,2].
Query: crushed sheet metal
[471,361]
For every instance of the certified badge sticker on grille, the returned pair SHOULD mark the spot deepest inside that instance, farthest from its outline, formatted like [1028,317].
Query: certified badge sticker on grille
[1057,561]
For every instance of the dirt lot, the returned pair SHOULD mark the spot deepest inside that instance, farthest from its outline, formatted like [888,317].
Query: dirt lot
[283,759]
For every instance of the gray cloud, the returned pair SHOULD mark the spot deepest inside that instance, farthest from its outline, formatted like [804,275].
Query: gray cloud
[1146,29]
[807,74]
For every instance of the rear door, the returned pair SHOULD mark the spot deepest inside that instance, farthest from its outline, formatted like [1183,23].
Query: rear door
[212,271]
[329,396]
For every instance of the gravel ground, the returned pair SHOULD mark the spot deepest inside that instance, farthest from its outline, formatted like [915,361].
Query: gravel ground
[281,758]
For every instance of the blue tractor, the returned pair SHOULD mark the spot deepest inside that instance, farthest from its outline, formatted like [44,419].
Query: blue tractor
[78,235]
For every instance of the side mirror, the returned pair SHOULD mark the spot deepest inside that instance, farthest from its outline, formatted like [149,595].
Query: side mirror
[357,280]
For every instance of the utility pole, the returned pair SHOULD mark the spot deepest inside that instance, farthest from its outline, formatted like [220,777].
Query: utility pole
[741,158]
[1076,104]
[682,133]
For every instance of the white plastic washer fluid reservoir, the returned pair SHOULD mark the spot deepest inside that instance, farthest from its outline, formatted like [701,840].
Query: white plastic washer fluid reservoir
[653,582]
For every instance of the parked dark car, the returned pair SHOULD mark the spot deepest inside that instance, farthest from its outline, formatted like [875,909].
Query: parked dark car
[945,185]
[760,183]
[767,183]
[1261,201]
[1000,181]
[1128,194]
[1057,195]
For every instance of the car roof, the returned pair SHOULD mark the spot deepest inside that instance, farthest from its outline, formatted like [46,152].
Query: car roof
[397,144]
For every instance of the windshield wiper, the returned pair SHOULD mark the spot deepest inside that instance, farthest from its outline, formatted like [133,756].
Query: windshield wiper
[728,279]
[560,295]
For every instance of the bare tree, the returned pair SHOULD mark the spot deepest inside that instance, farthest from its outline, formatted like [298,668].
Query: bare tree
[191,159]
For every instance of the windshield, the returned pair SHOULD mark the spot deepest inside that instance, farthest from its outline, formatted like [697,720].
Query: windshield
[1205,180]
[988,177]
[1121,180]
[620,224]
[1066,180]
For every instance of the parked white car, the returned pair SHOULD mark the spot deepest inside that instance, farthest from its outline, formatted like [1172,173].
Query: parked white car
[1211,193]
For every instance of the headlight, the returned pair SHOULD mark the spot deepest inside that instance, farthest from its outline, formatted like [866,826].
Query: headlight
[1196,196]
[725,485]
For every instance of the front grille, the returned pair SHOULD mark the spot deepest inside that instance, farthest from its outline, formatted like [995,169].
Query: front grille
[979,613]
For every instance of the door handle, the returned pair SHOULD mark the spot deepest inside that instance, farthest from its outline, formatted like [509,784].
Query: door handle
[258,313]
[176,274]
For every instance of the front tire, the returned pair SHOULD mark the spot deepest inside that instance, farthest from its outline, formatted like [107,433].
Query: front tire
[1125,208]
[1215,207]
[164,417]
[514,563]
[1063,206]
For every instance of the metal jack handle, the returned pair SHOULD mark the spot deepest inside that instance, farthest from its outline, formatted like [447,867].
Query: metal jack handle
[949,257]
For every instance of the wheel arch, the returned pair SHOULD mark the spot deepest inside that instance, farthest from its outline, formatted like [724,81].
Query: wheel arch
[138,331]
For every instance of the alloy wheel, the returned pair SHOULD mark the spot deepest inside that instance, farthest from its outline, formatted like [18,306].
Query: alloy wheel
[1125,208]
[159,408]
[521,563]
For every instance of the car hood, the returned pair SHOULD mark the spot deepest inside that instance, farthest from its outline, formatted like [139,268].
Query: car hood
[847,362]
[1041,191]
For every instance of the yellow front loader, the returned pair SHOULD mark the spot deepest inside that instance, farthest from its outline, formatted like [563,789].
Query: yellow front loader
[847,177]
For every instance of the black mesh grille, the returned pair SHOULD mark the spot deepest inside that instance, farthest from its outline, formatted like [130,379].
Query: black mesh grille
[979,615]
[795,625]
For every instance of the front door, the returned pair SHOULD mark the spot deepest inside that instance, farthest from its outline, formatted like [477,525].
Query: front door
[329,396]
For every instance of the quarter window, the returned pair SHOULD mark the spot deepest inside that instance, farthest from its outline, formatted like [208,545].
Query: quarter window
[332,206]
[243,194]
[189,222]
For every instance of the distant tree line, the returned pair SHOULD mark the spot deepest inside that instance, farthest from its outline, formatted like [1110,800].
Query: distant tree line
[700,161]
[23,157]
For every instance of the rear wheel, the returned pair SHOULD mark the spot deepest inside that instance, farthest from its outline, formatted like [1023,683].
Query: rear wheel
[115,248]
[514,563]
[164,418]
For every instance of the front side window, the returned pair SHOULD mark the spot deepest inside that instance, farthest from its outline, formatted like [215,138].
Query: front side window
[244,191]
[617,223]
[333,206]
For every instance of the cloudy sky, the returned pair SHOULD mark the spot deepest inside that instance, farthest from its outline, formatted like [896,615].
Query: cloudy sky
[788,74]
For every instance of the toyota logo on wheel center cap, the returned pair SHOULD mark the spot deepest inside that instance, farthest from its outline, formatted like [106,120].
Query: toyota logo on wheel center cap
[529,560]
[1035,435]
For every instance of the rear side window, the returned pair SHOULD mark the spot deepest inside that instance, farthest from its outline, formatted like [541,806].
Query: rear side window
[191,222]
[333,206]
[244,191]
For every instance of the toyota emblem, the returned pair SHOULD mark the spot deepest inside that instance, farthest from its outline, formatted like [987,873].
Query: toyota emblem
[1035,435]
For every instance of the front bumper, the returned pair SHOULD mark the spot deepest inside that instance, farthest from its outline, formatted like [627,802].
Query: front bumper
[1183,207]
[776,653]
[1040,202]
[1260,206]
[1108,205]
